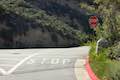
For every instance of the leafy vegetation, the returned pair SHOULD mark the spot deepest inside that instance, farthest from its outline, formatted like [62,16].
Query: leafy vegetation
[102,65]
[29,22]
[99,63]
[106,63]
[26,11]
[115,52]
[109,12]
[19,7]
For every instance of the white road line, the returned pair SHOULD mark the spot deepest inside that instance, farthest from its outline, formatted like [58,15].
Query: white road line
[30,56]
[78,71]
[3,71]
[17,65]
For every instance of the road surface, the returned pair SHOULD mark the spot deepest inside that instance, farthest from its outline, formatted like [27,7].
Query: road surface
[44,64]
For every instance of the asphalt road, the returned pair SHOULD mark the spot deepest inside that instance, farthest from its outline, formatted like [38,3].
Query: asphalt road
[44,64]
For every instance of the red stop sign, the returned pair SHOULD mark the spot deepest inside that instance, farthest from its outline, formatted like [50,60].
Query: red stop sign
[93,21]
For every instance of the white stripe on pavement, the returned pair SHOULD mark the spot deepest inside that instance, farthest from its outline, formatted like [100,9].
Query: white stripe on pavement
[17,65]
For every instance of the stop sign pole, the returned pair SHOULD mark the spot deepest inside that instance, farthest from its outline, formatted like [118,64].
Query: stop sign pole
[93,21]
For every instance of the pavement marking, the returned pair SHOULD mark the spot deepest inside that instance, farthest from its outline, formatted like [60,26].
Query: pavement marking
[80,73]
[30,56]
[17,65]
[31,61]
[77,70]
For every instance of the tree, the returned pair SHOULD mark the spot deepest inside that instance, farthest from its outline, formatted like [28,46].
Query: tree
[109,12]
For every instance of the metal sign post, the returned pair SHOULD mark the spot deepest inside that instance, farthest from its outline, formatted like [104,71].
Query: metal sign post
[93,22]
[97,46]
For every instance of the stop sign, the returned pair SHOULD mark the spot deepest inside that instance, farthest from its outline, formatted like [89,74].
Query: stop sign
[93,21]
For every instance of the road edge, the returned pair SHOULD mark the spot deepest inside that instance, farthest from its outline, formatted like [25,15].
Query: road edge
[90,71]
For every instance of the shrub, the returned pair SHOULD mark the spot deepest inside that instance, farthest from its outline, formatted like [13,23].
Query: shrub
[114,70]
[115,52]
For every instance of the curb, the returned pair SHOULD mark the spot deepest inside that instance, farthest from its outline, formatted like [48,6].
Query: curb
[90,71]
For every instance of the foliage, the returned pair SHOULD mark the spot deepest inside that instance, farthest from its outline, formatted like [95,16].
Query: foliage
[99,63]
[25,10]
[115,52]
[108,10]
[113,70]
[104,67]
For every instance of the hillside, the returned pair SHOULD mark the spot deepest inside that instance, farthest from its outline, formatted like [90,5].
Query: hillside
[38,23]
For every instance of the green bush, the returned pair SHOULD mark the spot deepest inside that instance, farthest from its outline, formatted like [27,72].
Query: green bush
[115,52]
[23,9]
[114,70]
